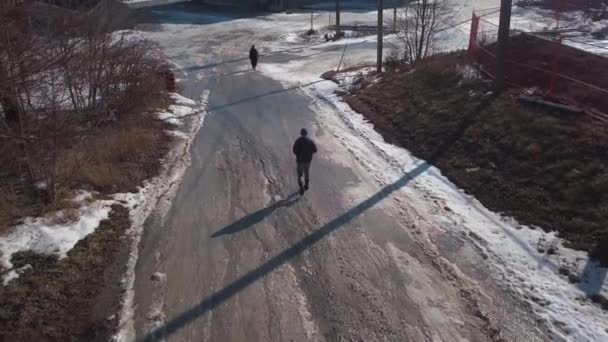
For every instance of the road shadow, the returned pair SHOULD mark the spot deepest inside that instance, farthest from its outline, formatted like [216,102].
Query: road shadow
[219,297]
[593,275]
[255,218]
[255,97]
[233,73]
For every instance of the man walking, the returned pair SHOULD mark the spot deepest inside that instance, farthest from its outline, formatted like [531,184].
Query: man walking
[253,56]
[304,148]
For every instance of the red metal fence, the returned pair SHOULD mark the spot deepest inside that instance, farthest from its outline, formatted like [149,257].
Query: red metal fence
[566,74]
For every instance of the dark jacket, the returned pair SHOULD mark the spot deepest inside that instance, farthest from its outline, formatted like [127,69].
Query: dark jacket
[253,54]
[304,148]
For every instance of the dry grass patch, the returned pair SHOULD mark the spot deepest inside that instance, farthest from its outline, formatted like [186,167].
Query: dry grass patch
[119,159]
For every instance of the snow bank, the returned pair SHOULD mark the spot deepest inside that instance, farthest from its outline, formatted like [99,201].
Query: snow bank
[157,195]
[44,235]
[517,254]
[177,112]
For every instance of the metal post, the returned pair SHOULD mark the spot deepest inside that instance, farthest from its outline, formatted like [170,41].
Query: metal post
[338,30]
[380,29]
[473,37]
[555,66]
[311,20]
[503,42]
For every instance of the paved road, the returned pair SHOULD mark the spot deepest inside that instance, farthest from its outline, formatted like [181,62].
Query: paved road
[246,259]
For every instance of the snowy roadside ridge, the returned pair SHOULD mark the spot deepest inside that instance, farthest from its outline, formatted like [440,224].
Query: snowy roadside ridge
[519,267]
[155,197]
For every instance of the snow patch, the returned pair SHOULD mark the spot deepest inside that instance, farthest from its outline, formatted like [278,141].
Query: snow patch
[176,114]
[159,276]
[52,235]
[468,72]
[15,273]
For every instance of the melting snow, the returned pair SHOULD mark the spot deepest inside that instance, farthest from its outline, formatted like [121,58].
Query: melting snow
[43,235]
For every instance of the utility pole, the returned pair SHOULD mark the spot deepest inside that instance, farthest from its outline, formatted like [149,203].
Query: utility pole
[395,19]
[338,31]
[380,29]
[503,45]
[311,20]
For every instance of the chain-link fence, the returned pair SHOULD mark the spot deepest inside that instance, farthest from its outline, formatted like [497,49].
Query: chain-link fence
[569,75]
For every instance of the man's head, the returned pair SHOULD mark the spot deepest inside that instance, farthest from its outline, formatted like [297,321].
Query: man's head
[303,132]
[253,46]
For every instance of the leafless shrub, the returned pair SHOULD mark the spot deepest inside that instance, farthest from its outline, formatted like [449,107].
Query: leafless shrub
[63,75]
[393,59]
[418,23]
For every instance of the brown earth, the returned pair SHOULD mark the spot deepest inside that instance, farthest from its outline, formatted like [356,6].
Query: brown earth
[543,167]
[73,299]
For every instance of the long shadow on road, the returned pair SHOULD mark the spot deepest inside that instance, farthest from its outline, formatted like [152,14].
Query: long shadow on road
[593,277]
[219,297]
[255,97]
[258,216]
[277,261]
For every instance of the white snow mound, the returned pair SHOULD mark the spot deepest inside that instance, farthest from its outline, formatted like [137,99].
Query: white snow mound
[44,235]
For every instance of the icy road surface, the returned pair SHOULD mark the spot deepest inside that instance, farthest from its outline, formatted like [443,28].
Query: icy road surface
[382,248]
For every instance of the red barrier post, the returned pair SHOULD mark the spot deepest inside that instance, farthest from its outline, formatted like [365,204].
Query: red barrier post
[555,67]
[170,81]
[473,37]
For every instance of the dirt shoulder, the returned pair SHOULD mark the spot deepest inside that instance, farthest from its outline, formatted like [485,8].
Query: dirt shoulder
[544,168]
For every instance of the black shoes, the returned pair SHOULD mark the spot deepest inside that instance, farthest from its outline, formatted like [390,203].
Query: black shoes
[303,188]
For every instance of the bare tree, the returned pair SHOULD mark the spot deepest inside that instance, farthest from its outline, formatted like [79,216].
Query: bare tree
[62,75]
[418,24]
